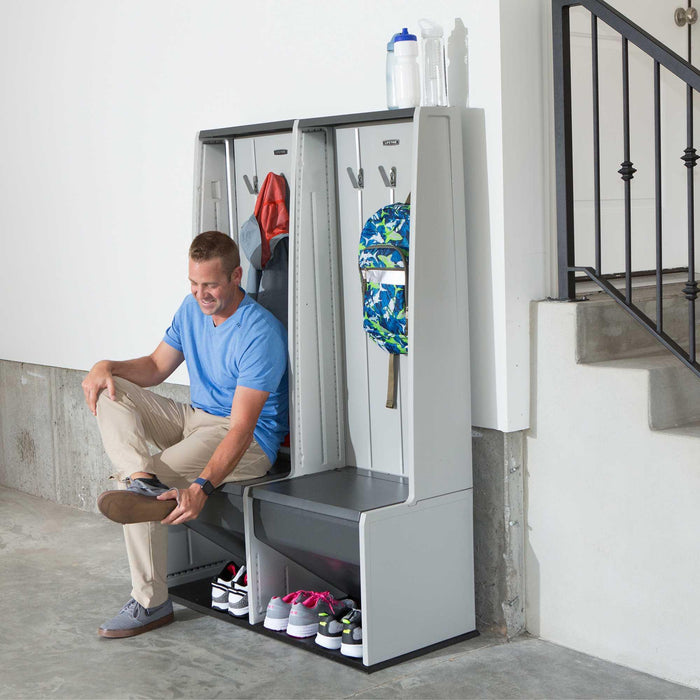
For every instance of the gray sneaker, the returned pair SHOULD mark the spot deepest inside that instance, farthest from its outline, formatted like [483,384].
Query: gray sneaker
[138,503]
[134,619]
[278,609]
[304,614]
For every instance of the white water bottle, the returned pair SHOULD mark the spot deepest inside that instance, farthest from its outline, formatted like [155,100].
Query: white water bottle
[390,66]
[406,78]
[434,84]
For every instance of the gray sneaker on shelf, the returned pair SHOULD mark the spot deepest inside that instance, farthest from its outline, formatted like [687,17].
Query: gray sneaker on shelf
[304,615]
[137,503]
[330,625]
[134,619]
[279,607]
[351,644]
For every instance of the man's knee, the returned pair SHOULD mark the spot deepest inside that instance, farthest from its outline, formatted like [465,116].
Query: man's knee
[122,387]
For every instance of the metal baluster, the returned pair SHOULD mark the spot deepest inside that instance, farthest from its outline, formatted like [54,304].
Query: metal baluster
[627,171]
[691,288]
[657,154]
[561,41]
[596,142]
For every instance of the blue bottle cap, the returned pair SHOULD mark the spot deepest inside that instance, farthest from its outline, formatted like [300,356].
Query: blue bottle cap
[405,36]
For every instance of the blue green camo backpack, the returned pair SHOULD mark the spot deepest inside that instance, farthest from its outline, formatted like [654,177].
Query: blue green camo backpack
[383,263]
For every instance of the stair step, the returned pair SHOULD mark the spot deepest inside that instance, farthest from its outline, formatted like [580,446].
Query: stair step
[605,331]
[690,430]
[674,391]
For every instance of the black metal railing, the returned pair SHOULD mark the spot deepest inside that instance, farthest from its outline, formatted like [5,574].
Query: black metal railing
[662,57]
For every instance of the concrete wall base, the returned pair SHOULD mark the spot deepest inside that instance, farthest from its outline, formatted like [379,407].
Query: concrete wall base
[499,530]
[50,447]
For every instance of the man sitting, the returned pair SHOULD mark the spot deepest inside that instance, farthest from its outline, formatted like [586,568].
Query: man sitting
[236,357]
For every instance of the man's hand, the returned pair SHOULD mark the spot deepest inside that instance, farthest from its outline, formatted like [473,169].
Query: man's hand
[192,501]
[98,378]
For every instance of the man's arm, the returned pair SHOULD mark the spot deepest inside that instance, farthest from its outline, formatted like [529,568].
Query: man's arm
[245,411]
[144,371]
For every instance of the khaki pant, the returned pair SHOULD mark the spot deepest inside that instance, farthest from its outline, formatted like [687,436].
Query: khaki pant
[186,438]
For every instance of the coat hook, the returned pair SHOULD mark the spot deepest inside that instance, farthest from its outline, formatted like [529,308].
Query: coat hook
[390,180]
[357,182]
[253,189]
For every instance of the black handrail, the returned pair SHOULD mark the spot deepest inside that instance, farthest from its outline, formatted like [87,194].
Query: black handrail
[662,57]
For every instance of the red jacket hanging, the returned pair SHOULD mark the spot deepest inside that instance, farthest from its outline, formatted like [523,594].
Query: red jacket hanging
[271,212]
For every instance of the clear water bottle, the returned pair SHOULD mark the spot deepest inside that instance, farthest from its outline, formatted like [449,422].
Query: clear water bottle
[434,83]
[390,66]
[406,77]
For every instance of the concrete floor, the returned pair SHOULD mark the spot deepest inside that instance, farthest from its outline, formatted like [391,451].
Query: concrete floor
[63,571]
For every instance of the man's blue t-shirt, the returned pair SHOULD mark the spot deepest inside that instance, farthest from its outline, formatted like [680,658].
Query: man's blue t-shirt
[248,348]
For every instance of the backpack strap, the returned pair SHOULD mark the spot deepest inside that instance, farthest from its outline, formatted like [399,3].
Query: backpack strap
[391,382]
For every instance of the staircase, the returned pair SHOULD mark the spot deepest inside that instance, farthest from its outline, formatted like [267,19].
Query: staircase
[608,338]
[613,488]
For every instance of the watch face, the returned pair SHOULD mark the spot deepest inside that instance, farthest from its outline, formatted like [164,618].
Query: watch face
[206,485]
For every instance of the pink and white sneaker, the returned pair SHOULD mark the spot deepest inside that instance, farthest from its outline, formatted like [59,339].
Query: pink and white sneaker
[279,607]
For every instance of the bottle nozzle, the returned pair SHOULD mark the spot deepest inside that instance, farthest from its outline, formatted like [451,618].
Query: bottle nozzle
[429,28]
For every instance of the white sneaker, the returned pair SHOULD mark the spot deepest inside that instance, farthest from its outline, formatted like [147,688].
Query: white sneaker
[238,595]
[221,586]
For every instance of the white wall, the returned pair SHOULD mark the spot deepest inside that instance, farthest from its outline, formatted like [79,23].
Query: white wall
[101,105]
[612,559]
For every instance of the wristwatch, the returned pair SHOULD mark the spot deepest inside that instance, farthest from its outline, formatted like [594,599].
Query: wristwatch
[207,486]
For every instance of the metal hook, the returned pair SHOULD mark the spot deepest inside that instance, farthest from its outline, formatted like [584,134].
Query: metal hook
[357,182]
[253,189]
[390,180]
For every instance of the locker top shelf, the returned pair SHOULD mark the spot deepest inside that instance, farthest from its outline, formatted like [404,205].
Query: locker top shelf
[387,115]
[342,493]
[246,130]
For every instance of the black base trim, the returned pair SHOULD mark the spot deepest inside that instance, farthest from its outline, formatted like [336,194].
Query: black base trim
[196,595]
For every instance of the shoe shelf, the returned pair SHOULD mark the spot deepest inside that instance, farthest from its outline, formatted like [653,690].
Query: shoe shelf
[196,595]
[377,504]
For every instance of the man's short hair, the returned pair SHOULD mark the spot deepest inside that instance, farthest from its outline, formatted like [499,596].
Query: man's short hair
[214,244]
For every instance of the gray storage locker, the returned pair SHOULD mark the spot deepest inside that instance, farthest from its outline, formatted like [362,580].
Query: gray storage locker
[374,495]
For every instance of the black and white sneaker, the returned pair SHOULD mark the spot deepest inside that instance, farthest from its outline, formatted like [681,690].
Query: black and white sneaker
[221,586]
[238,595]
[351,644]
[330,625]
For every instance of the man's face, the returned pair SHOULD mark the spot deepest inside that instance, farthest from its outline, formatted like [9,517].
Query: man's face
[214,291]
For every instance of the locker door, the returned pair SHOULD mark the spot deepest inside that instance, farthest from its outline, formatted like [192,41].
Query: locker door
[214,214]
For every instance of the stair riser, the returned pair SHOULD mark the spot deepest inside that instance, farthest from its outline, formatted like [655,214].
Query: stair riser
[605,331]
[674,397]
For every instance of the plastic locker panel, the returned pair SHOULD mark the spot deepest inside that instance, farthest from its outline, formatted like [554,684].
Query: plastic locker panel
[273,154]
[374,432]
[385,148]
[246,185]
[215,189]
[358,441]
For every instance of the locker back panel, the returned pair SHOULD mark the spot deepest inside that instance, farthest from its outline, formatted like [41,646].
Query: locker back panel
[215,188]
[374,432]
[246,177]
[255,157]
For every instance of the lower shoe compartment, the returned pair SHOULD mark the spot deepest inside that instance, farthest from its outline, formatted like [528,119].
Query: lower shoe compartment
[327,546]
